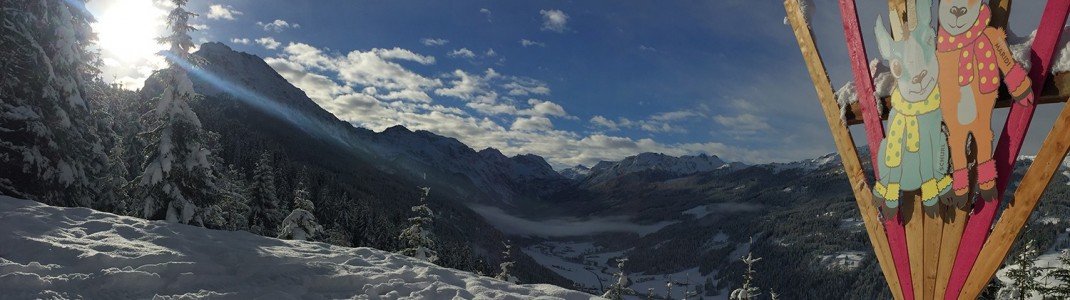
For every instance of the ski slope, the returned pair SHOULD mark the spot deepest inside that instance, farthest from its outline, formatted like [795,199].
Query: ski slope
[54,252]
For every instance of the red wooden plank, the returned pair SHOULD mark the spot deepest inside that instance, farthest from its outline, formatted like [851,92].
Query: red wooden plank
[856,49]
[1009,146]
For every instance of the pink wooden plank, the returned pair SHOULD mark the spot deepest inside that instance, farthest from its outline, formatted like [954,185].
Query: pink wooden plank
[1010,145]
[856,49]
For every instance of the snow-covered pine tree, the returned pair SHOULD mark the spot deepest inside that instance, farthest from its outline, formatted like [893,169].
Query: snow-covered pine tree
[263,203]
[507,264]
[418,240]
[1061,276]
[689,289]
[48,151]
[748,291]
[620,287]
[300,224]
[337,235]
[177,179]
[232,211]
[668,288]
[112,183]
[1023,274]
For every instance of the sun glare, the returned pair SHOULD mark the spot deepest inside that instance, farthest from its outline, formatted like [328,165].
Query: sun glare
[126,35]
[128,29]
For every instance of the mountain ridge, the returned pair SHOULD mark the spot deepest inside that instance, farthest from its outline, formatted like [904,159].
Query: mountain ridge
[421,153]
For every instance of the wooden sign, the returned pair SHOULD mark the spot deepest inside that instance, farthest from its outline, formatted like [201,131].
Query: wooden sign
[917,166]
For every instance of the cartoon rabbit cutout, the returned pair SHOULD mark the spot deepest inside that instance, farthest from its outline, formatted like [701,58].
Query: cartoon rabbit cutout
[972,56]
[914,156]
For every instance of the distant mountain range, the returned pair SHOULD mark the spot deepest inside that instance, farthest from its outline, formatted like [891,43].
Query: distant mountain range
[677,166]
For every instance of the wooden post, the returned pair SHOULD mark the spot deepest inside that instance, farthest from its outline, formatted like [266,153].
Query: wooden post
[934,230]
[914,216]
[844,144]
[1007,150]
[899,10]
[1001,13]
[954,221]
[863,80]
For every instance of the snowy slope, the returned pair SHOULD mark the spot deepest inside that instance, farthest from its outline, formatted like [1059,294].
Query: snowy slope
[54,252]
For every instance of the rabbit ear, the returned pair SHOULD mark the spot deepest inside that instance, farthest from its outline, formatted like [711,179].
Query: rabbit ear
[884,39]
[923,13]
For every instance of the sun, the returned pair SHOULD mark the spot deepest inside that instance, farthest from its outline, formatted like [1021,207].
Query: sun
[127,29]
[127,32]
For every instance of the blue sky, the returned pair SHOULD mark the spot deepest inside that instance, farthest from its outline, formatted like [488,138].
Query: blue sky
[573,81]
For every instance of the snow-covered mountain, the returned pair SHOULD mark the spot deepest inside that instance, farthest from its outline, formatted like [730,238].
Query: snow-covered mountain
[824,161]
[53,252]
[508,178]
[418,154]
[676,166]
[579,172]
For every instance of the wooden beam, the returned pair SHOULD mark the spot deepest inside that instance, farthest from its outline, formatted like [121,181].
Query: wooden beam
[844,144]
[934,229]
[1010,143]
[954,222]
[856,50]
[1056,90]
[897,9]
[914,216]
[1001,13]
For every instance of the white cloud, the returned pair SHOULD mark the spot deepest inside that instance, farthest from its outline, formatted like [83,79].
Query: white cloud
[528,43]
[487,13]
[199,26]
[277,25]
[222,12]
[463,52]
[402,54]
[377,69]
[372,89]
[554,20]
[647,48]
[268,42]
[434,42]
[490,53]
[603,122]
[545,108]
[533,123]
[675,115]
[657,123]
[527,86]
[243,41]
[478,92]
[743,124]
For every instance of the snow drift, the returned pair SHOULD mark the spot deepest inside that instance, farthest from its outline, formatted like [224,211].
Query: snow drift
[55,252]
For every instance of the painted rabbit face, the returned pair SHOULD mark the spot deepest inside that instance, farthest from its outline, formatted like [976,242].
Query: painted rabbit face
[913,59]
[957,16]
